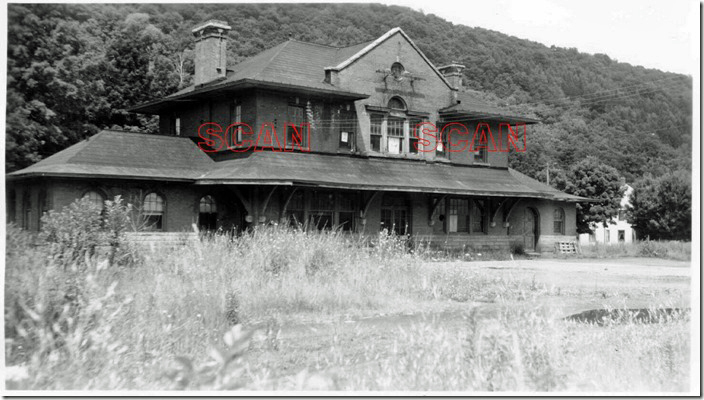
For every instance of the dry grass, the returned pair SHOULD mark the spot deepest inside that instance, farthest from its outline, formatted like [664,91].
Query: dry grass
[672,249]
[165,320]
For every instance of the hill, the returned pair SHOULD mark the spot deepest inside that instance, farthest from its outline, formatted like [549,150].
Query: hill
[73,69]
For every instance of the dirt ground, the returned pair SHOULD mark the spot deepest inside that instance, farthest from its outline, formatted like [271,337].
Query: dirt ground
[567,287]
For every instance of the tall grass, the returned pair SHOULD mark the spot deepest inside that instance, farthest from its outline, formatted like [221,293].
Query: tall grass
[90,324]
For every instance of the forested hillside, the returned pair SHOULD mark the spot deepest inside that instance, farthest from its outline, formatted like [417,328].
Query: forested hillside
[73,69]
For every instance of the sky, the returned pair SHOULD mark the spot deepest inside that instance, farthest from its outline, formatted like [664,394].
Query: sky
[657,34]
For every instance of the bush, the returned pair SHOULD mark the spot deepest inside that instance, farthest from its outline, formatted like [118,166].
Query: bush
[74,233]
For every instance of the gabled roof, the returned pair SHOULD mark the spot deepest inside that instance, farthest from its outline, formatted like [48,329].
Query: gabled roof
[371,46]
[542,187]
[119,154]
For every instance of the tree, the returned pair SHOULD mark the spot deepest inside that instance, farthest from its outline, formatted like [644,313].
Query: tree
[592,179]
[661,208]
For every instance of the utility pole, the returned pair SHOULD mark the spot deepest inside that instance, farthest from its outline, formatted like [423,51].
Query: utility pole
[547,170]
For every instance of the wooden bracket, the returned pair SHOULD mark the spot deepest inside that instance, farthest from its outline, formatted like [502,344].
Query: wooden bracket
[266,201]
[434,209]
[507,213]
[288,200]
[368,203]
[497,209]
[242,199]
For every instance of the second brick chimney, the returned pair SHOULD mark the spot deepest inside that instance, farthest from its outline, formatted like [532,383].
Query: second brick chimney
[211,51]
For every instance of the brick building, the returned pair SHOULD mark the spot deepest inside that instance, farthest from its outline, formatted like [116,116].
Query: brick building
[340,138]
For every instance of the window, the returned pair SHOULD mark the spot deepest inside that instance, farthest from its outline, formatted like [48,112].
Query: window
[457,218]
[296,208]
[235,138]
[621,236]
[347,140]
[622,215]
[478,212]
[559,221]
[394,135]
[207,213]
[413,133]
[322,208]
[441,149]
[346,210]
[375,131]
[396,103]
[153,212]
[178,126]
[480,155]
[397,70]
[95,198]
[43,207]
[297,134]
[607,236]
[26,209]
[395,214]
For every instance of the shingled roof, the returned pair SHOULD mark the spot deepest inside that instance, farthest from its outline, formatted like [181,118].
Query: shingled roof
[292,64]
[470,106]
[345,172]
[128,155]
[119,154]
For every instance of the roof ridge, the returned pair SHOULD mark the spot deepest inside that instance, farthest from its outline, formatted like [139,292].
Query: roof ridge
[313,43]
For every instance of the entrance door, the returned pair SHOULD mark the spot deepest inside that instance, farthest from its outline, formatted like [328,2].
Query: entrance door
[530,228]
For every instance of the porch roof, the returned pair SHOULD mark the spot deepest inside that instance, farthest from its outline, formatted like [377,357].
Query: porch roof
[330,171]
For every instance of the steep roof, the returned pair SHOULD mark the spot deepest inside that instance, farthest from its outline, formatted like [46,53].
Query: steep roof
[120,154]
[292,64]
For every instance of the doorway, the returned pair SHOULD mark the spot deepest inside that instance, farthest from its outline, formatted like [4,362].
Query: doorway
[531,229]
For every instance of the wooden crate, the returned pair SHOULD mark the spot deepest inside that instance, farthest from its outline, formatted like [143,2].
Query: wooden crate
[566,247]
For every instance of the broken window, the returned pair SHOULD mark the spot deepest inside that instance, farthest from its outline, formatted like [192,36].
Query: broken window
[394,134]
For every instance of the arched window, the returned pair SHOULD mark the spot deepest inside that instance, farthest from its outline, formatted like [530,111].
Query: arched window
[396,103]
[153,211]
[397,70]
[558,221]
[208,213]
[96,198]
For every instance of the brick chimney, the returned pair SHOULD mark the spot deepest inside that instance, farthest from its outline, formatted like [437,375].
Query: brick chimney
[211,51]
[453,73]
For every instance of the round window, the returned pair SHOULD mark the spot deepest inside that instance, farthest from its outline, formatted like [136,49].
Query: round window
[397,70]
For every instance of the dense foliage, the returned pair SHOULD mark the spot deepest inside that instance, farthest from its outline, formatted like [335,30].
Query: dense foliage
[73,69]
[662,206]
[595,180]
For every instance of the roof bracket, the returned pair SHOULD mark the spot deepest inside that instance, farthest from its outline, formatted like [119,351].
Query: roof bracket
[434,208]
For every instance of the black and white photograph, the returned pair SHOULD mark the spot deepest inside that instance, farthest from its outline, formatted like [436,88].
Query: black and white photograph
[397,198]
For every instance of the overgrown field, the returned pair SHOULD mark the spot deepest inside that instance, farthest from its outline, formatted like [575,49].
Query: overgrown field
[269,310]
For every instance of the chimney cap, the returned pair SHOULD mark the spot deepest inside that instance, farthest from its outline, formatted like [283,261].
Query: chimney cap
[452,67]
[213,23]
